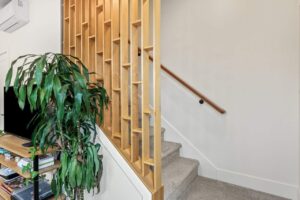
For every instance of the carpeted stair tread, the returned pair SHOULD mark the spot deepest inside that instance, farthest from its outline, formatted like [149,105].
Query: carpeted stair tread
[177,176]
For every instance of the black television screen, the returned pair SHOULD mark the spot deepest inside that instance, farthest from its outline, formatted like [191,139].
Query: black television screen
[16,120]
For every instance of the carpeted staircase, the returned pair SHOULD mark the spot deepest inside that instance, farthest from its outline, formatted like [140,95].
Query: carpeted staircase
[181,180]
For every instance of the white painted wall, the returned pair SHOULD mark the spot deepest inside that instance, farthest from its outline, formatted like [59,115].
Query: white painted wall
[119,181]
[243,54]
[41,35]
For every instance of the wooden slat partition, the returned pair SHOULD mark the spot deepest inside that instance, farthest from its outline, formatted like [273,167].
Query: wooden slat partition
[98,31]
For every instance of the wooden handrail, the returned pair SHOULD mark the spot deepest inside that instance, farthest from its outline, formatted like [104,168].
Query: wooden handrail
[194,91]
[202,97]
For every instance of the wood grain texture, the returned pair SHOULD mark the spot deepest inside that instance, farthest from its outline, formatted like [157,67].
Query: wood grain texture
[97,32]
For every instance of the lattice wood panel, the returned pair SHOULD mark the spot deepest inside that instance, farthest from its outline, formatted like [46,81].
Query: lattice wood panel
[114,39]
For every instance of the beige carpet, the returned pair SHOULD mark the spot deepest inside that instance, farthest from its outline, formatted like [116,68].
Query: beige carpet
[207,189]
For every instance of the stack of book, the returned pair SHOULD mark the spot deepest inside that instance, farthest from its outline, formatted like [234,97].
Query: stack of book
[9,181]
[44,161]
[12,186]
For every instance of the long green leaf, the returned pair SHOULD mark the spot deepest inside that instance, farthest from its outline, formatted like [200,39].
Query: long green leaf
[22,97]
[8,78]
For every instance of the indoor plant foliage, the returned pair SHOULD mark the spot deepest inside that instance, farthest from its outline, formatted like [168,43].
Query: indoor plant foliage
[69,106]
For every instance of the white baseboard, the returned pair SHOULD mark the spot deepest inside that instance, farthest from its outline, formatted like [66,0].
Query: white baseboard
[260,184]
[210,170]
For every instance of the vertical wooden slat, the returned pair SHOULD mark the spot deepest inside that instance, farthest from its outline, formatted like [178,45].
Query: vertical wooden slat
[72,27]
[66,33]
[116,94]
[156,92]
[134,78]
[107,61]
[85,32]
[92,38]
[78,18]
[99,40]
[145,90]
[125,73]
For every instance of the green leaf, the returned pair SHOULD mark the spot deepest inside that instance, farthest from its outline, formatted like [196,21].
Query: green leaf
[22,97]
[78,101]
[86,73]
[33,98]
[53,185]
[29,87]
[80,79]
[61,97]
[17,85]
[96,160]
[39,70]
[72,172]
[34,174]
[8,78]
[64,164]
[48,85]
[41,95]
[56,85]
[78,175]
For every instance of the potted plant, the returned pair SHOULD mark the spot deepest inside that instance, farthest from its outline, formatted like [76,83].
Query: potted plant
[68,105]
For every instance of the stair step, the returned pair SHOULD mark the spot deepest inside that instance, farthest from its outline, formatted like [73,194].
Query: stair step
[170,152]
[152,132]
[177,176]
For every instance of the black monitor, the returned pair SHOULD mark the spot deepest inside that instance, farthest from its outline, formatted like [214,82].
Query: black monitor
[16,120]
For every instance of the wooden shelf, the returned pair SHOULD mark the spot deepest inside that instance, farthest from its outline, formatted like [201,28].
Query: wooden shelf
[14,144]
[13,165]
[4,195]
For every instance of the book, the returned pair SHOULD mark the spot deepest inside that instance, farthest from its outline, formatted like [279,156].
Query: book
[26,192]
[7,174]
[44,161]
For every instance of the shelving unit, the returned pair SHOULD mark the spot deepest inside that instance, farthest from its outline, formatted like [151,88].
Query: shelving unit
[14,145]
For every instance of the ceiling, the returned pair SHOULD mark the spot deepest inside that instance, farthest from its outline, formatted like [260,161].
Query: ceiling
[3,3]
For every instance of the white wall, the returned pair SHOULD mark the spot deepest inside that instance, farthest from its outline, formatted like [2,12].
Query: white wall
[42,34]
[243,54]
[119,181]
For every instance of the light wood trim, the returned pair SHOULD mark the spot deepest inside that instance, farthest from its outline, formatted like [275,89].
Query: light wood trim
[156,93]
[107,68]
[125,73]
[116,67]
[146,88]
[134,77]
[99,40]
